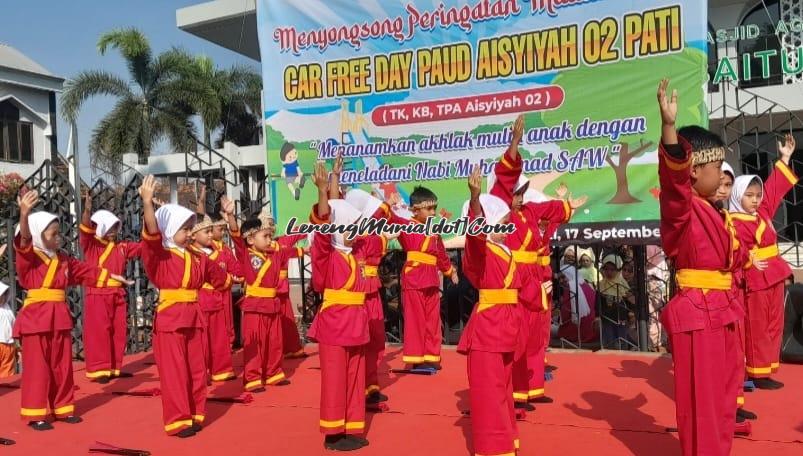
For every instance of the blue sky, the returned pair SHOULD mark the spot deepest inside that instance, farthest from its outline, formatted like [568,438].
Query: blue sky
[62,36]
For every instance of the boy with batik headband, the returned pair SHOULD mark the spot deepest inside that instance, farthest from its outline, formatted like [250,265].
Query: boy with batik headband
[216,337]
[260,264]
[421,282]
[44,323]
[700,240]
[105,320]
[753,207]
[341,325]
[178,333]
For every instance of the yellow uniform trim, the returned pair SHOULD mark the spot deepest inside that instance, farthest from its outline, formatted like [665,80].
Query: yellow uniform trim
[535,392]
[33,412]
[332,297]
[432,358]
[275,379]
[526,257]
[223,376]
[169,297]
[332,424]
[765,253]
[370,271]
[64,410]
[100,373]
[516,443]
[674,165]
[421,257]
[787,172]
[775,365]
[253,384]
[44,295]
[505,162]
[493,297]
[149,237]
[355,425]
[352,270]
[413,359]
[704,280]
[520,396]
[759,370]
[86,229]
[199,418]
[177,424]
[283,274]
[740,400]
[567,208]
[101,261]
[260,292]
[371,389]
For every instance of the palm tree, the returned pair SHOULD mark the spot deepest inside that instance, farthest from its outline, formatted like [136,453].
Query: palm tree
[232,104]
[154,104]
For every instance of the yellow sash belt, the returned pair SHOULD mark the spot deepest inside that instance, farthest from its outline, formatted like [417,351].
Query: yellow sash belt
[44,295]
[332,297]
[704,280]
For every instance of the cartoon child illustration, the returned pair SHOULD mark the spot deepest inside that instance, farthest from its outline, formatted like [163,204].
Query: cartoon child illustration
[291,171]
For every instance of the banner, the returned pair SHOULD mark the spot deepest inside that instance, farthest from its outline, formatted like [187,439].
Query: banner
[417,92]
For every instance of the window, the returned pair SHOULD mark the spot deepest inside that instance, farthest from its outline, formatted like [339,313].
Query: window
[765,15]
[16,137]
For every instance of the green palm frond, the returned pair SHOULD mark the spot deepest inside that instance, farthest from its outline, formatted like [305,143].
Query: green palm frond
[88,84]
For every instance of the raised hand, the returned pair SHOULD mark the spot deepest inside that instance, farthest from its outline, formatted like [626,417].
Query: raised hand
[148,188]
[475,182]
[576,203]
[518,129]
[562,190]
[27,202]
[337,168]
[121,279]
[455,278]
[226,206]
[88,202]
[321,177]
[669,106]
[394,199]
[786,149]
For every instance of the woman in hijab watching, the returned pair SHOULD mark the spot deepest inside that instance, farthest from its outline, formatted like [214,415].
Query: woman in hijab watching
[178,333]
[616,301]
[44,323]
[577,313]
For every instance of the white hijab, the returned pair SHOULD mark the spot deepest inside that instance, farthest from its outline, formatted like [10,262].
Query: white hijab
[494,209]
[343,213]
[170,218]
[740,185]
[579,302]
[38,223]
[4,296]
[727,168]
[532,195]
[363,201]
[491,180]
[104,221]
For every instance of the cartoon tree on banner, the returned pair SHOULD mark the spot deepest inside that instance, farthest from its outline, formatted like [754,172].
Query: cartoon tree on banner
[623,195]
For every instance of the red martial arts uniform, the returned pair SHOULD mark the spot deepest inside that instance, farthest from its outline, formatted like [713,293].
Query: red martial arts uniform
[43,326]
[232,267]
[421,295]
[261,322]
[700,318]
[369,251]
[217,347]
[105,310]
[531,250]
[179,326]
[291,340]
[765,289]
[341,329]
[491,339]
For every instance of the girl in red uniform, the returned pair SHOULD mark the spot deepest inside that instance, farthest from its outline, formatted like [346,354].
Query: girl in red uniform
[216,336]
[491,338]
[260,263]
[341,325]
[43,325]
[753,207]
[105,309]
[178,333]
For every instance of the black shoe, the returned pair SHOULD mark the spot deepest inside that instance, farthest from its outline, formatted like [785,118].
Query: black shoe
[550,368]
[739,418]
[284,382]
[746,414]
[524,406]
[372,398]
[261,389]
[123,375]
[40,425]
[542,400]
[196,427]
[184,433]
[303,181]
[297,194]
[382,397]
[103,380]
[766,383]
[72,419]
[340,442]
[358,439]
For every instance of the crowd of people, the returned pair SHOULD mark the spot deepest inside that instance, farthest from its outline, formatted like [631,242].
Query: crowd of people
[722,325]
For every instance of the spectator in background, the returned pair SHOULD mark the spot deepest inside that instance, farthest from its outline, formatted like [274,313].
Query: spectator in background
[569,257]
[657,288]
[615,303]
[588,270]
[8,349]
[629,275]
[577,315]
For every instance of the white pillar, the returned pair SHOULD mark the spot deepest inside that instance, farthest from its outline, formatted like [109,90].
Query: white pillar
[173,189]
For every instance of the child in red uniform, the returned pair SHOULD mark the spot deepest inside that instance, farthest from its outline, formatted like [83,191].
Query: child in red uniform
[105,320]
[291,340]
[216,336]
[753,207]
[491,338]
[341,325]
[700,240]
[530,247]
[43,325]
[421,283]
[260,264]
[178,333]
[369,250]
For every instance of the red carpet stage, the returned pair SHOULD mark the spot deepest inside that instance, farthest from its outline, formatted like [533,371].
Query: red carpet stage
[605,404]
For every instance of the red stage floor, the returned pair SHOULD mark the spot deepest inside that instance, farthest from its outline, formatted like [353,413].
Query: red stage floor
[605,404]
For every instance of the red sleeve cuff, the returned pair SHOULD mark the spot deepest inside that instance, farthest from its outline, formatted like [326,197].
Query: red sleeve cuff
[674,163]
[86,229]
[787,172]
[150,237]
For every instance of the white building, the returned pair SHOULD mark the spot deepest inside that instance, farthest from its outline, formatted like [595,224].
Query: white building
[27,112]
